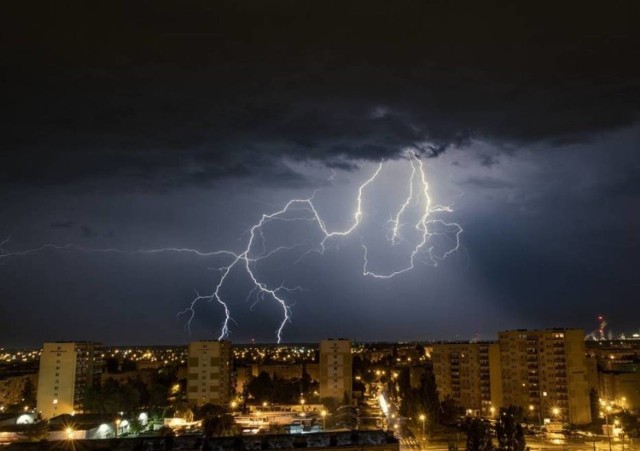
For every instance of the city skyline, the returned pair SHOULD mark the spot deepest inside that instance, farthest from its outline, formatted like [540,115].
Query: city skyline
[143,146]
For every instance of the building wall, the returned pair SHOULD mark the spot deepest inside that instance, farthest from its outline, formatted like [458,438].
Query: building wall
[335,369]
[495,380]
[416,373]
[11,388]
[622,389]
[209,372]
[545,370]
[281,371]
[241,377]
[67,369]
[469,373]
[313,370]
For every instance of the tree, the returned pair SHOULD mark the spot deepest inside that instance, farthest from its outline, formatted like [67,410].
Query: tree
[261,387]
[111,397]
[449,411]
[422,400]
[183,411]
[218,426]
[135,426]
[479,436]
[629,424]
[158,394]
[509,431]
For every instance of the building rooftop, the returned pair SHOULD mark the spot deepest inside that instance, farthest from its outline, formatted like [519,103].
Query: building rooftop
[238,443]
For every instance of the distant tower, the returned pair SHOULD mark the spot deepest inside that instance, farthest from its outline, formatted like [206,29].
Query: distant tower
[602,323]
[209,373]
[67,369]
[335,370]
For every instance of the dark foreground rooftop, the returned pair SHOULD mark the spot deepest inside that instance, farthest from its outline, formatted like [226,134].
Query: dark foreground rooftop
[356,439]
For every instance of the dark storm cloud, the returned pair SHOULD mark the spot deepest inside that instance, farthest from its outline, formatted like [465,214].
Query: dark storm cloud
[88,232]
[61,225]
[487,183]
[163,94]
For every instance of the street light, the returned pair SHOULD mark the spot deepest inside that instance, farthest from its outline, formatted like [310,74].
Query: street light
[69,432]
[324,416]
[423,418]
[118,420]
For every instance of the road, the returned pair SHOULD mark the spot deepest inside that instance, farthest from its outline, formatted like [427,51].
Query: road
[534,444]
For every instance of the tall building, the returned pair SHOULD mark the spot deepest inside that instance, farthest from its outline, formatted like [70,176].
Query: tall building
[67,369]
[209,372]
[470,374]
[335,373]
[545,373]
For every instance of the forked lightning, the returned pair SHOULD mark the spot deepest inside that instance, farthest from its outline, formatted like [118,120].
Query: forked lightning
[426,227]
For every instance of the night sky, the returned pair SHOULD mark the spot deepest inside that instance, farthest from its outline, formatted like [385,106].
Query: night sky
[151,124]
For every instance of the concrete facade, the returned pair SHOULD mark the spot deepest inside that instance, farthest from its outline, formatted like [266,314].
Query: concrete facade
[67,369]
[335,373]
[470,374]
[209,372]
[545,372]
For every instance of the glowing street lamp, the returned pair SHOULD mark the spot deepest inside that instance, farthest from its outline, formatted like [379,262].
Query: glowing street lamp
[118,421]
[69,432]
[324,416]
[423,419]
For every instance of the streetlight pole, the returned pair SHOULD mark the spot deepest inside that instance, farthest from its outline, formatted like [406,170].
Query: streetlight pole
[422,419]
[606,419]
[544,394]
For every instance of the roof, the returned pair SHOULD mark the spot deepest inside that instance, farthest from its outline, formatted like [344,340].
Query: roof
[237,443]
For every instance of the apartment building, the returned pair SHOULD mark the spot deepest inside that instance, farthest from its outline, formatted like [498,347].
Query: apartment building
[209,372]
[67,369]
[335,373]
[545,372]
[469,373]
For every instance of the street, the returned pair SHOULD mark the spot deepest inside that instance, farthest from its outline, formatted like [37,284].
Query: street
[533,443]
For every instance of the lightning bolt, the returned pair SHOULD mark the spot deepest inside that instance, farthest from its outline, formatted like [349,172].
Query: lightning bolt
[423,226]
[304,210]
